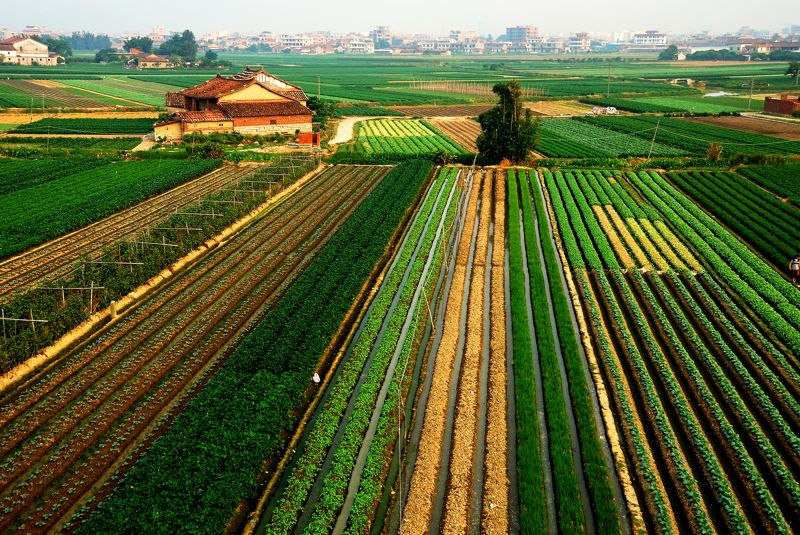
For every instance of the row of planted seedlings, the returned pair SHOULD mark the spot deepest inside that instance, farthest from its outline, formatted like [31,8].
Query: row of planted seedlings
[592,484]
[732,514]
[323,468]
[241,418]
[766,222]
[584,259]
[60,305]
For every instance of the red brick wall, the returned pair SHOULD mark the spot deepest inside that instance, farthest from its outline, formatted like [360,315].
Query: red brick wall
[261,121]
[777,105]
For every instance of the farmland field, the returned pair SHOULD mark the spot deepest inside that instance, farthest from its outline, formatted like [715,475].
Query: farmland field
[686,103]
[88,143]
[705,402]
[758,125]
[695,137]
[562,138]
[44,210]
[465,132]
[86,126]
[783,181]
[272,365]
[403,137]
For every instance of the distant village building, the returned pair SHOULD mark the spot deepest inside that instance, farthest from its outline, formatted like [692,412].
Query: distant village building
[27,51]
[521,34]
[250,102]
[142,60]
[785,105]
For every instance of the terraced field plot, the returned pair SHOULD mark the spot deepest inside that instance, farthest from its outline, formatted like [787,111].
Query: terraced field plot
[88,126]
[148,92]
[46,209]
[706,403]
[50,423]
[694,137]
[565,138]
[783,181]
[26,94]
[402,137]
[465,132]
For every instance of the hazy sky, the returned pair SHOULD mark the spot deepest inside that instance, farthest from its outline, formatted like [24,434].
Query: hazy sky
[406,16]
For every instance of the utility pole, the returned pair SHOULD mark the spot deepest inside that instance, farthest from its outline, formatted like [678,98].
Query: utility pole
[608,92]
[653,141]
[750,100]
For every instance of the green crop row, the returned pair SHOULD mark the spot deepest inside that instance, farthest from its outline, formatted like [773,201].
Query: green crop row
[21,174]
[565,480]
[720,486]
[575,138]
[679,471]
[337,479]
[738,407]
[239,418]
[595,468]
[327,423]
[783,181]
[772,297]
[644,464]
[530,470]
[764,221]
[47,210]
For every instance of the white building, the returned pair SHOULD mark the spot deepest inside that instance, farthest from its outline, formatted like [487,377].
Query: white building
[27,51]
[650,38]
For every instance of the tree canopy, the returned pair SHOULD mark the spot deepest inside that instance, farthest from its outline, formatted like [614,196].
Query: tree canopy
[794,71]
[180,44]
[668,54]
[143,44]
[508,131]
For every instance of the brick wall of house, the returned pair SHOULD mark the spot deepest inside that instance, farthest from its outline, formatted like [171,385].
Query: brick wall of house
[784,105]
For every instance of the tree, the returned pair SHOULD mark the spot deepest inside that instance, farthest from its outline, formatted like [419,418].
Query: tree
[143,44]
[180,44]
[794,71]
[508,131]
[210,58]
[105,56]
[669,54]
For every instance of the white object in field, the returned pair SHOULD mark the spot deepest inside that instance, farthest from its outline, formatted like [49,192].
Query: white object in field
[317,380]
[611,110]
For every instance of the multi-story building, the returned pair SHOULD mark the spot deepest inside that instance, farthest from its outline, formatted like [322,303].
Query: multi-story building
[580,42]
[27,51]
[650,38]
[521,34]
[381,33]
[357,45]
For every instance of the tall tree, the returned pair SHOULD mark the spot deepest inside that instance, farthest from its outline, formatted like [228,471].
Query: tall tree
[668,54]
[794,71]
[508,130]
[180,44]
[144,44]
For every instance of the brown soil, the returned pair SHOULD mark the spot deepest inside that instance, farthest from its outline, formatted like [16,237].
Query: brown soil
[423,482]
[459,489]
[463,131]
[558,108]
[495,485]
[758,125]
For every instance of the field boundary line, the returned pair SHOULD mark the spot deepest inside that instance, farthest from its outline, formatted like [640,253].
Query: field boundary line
[116,310]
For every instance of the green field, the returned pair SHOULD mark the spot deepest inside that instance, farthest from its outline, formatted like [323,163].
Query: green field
[567,138]
[86,126]
[403,137]
[45,210]
[680,104]
[89,144]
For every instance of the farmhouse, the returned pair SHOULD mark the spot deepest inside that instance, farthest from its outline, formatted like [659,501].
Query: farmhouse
[785,105]
[27,51]
[250,102]
[151,61]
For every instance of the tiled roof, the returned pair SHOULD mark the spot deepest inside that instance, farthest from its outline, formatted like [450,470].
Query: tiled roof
[153,57]
[202,116]
[175,100]
[13,40]
[7,47]
[215,87]
[219,86]
[260,108]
